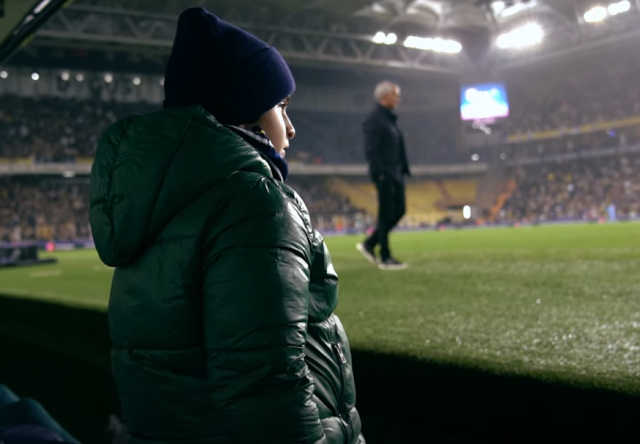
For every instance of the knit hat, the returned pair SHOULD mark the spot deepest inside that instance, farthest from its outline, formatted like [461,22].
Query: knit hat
[232,74]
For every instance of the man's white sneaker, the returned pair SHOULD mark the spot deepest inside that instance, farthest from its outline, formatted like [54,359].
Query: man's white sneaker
[392,264]
[368,253]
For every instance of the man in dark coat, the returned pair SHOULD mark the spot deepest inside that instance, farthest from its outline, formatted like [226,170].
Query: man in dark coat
[387,158]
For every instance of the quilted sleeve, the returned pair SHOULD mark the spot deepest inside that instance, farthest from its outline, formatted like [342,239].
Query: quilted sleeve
[104,193]
[256,302]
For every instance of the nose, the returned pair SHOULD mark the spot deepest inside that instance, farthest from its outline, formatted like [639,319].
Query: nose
[291,131]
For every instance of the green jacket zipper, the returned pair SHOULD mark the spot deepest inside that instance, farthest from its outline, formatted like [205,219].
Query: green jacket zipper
[342,361]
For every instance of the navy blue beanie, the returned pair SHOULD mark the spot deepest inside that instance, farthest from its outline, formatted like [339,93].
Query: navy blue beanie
[232,74]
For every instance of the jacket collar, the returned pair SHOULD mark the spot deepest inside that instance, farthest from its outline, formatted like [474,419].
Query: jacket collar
[278,165]
[386,113]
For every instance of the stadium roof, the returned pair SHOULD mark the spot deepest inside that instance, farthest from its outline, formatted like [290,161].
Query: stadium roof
[13,11]
[362,33]
[19,19]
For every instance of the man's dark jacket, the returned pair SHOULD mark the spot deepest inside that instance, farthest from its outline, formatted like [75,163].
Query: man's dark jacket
[384,145]
[221,308]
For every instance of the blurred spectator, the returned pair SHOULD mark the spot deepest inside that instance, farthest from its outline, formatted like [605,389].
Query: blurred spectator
[583,190]
[60,130]
[329,138]
[575,143]
[58,209]
[55,129]
[45,209]
[590,96]
[329,211]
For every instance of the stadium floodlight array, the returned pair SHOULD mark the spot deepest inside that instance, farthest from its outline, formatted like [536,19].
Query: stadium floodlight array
[433,44]
[65,76]
[385,39]
[4,74]
[136,81]
[619,8]
[108,78]
[600,13]
[523,37]
[35,76]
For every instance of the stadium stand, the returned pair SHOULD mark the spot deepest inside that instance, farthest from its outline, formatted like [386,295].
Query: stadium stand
[586,190]
[581,112]
[575,131]
[553,114]
[427,201]
[506,191]
[362,194]
[330,210]
[56,130]
[548,103]
[43,209]
[50,129]
[574,112]
[46,208]
[422,200]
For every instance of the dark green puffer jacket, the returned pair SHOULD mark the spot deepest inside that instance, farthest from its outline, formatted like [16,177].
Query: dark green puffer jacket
[222,299]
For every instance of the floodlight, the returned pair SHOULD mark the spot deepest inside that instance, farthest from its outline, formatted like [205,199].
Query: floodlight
[433,44]
[594,15]
[528,35]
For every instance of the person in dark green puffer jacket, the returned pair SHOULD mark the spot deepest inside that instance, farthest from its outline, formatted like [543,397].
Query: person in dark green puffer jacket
[221,307]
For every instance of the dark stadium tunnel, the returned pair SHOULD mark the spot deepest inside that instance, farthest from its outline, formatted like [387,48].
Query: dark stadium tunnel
[60,356]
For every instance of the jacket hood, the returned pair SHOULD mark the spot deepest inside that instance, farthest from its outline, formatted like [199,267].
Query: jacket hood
[149,168]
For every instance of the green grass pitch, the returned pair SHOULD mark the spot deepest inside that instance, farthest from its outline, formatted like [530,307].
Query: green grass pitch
[558,303]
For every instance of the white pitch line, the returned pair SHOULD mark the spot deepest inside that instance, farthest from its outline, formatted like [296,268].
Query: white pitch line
[46,273]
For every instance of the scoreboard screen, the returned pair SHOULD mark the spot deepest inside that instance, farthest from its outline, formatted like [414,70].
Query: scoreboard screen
[484,101]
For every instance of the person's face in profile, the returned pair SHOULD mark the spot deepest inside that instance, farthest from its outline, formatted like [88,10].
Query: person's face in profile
[278,127]
[392,99]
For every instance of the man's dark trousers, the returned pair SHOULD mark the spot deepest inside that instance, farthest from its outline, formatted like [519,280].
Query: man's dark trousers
[391,208]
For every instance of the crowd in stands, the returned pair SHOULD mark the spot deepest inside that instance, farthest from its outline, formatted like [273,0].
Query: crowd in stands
[338,139]
[607,187]
[590,189]
[61,130]
[548,113]
[58,209]
[44,210]
[56,129]
[569,144]
[329,210]
[552,101]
